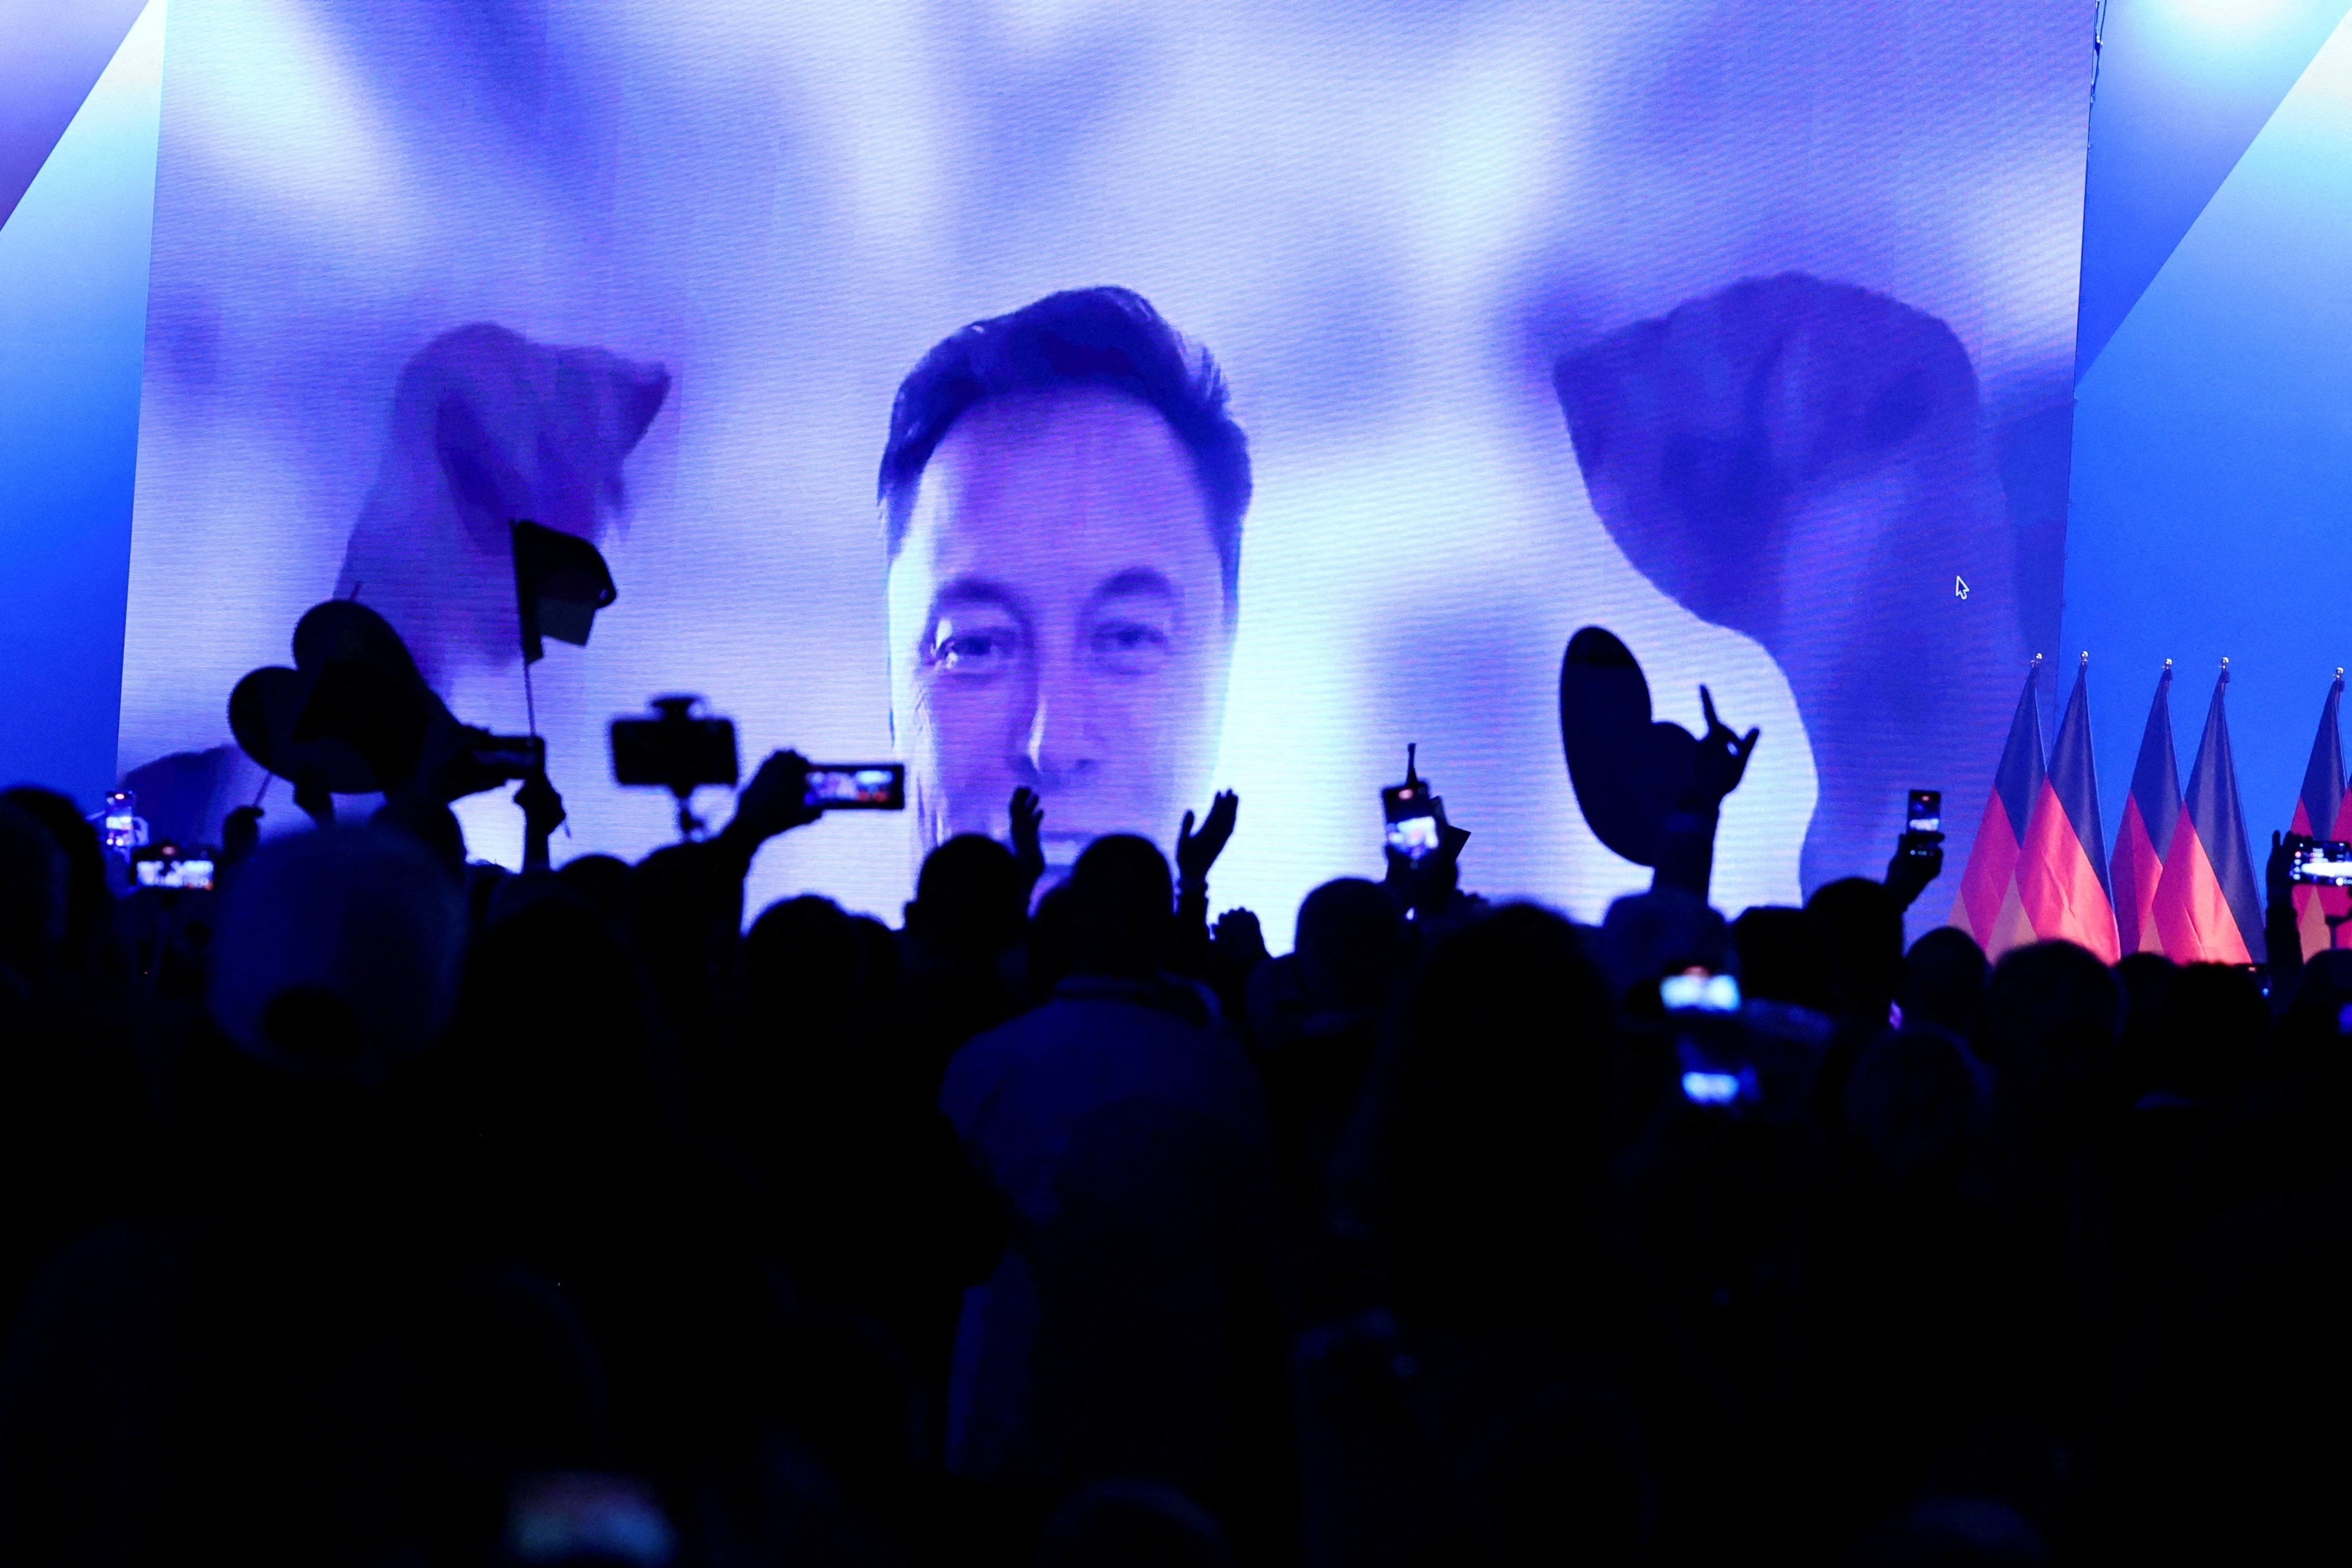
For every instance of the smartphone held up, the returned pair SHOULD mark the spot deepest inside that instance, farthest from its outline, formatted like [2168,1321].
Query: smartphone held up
[2320,862]
[856,786]
[681,750]
[1414,815]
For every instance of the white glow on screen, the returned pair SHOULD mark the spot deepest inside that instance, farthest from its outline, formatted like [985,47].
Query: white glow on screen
[2218,16]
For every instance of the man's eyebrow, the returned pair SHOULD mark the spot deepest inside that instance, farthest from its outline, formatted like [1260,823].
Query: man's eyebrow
[977,591]
[1135,580]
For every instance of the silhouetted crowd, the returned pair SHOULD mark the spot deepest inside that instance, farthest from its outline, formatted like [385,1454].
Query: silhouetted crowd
[382,1209]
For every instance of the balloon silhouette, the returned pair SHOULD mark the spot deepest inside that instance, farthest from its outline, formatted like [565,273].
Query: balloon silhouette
[1630,770]
[353,713]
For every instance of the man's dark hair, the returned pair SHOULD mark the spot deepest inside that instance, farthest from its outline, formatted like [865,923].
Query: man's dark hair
[1082,337]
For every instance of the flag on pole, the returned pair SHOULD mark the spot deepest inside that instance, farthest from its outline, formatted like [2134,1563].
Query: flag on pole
[2318,811]
[2061,869]
[2151,812]
[1989,908]
[2208,905]
[561,582]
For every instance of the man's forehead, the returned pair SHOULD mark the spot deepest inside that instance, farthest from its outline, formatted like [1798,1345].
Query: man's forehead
[1081,476]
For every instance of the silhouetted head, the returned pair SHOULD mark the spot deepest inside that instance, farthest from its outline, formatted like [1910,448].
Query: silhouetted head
[430,824]
[89,901]
[2146,979]
[670,907]
[812,972]
[1916,1102]
[1864,929]
[1122,905]
[1648,936]
[1492,1115]
[1053,926]
[2051,1014]
[601,881]
[1348,941]
[337,951]
[33,897]
[553,1016]
[2211,1036]
[1943,982]
[2320,1018]
[1785,957]
[970,898]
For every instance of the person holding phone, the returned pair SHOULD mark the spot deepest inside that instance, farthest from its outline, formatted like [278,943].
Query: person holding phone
[1062,492]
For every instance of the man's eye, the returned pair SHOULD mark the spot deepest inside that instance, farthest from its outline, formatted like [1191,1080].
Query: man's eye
[983,650]
[1130,648]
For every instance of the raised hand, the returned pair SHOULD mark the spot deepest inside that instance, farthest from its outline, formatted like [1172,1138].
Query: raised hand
[1722,755]
[775,801]
[1028,827]
[1196,852]
[1918,859]
[543,814]
[1239,940]
[1425,886]
[2278,872]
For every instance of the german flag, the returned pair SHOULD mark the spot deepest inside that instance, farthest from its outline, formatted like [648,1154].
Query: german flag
[2208,906]
[2151,812]
[2061,870]
[1988,907]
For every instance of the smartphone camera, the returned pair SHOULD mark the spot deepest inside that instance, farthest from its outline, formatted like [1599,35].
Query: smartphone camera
[1923,825]
[1714,1083]
[1699,991]
[1414,815]
[119,826]
[170,866]
[856,786]
[1413,836]
[1925,812]
[1703,1086]
[678,750]
[2321,862]
[511,757]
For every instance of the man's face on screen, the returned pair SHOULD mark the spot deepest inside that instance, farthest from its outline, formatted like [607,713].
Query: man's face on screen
[1057,619]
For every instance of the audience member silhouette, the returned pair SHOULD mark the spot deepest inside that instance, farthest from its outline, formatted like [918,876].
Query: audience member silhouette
[384,1208]
[1115,1338]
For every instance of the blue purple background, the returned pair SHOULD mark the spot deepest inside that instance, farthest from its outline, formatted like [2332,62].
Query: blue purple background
[1390,222]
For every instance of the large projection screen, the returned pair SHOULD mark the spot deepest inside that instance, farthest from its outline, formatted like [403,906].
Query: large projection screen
[1745,330]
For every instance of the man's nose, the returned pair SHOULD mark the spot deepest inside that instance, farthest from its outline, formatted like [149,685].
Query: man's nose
[1059,750]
